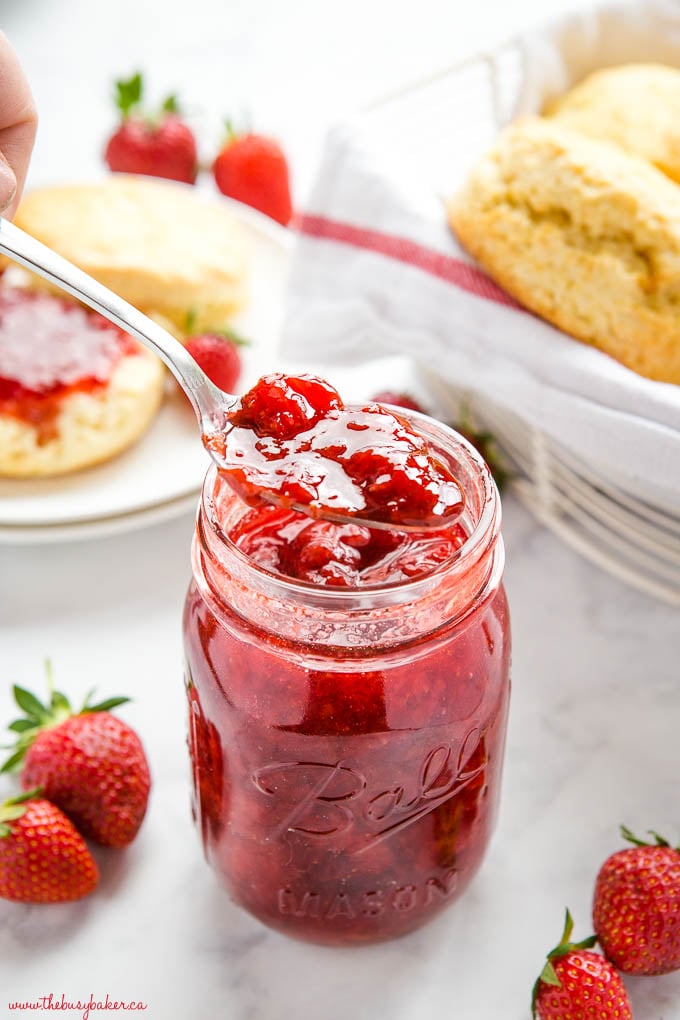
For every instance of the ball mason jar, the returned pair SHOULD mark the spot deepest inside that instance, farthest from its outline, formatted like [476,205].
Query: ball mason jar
[347,743]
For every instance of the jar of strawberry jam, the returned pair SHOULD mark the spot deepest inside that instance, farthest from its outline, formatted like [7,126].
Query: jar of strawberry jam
[348,692]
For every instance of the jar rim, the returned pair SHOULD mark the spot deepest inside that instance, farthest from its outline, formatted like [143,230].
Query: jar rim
[481,537]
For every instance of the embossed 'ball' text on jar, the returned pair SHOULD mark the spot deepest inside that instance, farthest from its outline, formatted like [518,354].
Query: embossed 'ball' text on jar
[347,742]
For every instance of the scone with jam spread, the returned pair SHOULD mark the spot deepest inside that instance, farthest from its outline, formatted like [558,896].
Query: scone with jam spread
[74,389]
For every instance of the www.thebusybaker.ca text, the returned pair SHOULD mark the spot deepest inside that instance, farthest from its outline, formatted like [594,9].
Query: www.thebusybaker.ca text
[82,1006]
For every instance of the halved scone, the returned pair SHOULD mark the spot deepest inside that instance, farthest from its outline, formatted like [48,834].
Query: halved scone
[74,389]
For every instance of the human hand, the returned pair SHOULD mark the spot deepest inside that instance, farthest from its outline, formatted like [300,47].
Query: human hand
[18,123]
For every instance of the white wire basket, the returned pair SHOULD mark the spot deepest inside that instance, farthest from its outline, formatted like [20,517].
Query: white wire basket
[592,508]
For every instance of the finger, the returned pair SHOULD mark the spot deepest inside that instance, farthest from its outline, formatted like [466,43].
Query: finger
[18,123]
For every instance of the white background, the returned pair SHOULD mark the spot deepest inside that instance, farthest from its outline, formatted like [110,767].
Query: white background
[596,703]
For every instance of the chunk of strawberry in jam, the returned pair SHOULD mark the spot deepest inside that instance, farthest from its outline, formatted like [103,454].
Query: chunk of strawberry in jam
[342,555]
[399,480]
[325,553]
[282,406]
[344,703]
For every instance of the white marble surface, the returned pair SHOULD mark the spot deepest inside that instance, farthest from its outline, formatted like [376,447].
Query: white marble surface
[596,700]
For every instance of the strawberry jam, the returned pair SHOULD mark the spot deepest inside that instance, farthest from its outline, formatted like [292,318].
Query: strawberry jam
[292,437]
[348,691]
[51,347]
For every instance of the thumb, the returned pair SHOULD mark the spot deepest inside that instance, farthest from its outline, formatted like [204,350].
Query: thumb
[8,184]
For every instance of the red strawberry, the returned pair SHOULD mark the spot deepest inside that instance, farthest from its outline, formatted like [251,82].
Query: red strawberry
[398,400]
[254,170]
[218,355]
[43,859]
[159,146]
[578,985]
[485,444]
[636,907]
[90,764]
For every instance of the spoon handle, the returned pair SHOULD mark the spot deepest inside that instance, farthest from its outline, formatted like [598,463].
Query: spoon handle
[209,402]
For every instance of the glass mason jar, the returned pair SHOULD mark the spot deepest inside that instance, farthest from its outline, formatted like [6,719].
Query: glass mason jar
[347,744]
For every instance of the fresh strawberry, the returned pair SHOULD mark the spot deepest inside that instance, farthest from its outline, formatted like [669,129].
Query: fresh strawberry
[90,764]
[218,355]
[398,400]
[254,170]
[579,985]
[485,444]
[636,907]
[160,146]
[43,859]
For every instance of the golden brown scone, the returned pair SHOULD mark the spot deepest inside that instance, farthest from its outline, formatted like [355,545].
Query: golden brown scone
[156,243]
[636,106]
[583,234]
[90,427]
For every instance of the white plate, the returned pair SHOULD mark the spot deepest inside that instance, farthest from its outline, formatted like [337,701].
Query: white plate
[161,475]
[101,527]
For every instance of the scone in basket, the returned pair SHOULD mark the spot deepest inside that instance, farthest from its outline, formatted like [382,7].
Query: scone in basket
[566,448]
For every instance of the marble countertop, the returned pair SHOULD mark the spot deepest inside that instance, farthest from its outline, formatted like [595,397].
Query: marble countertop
[596,698]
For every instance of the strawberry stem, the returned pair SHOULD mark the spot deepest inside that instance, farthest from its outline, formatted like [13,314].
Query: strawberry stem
[15,808]
[129,95]
[40,717]
[231,336]
[632,838]
[33,708]
[171,105]
[548,975]
[103,706]
[231,133]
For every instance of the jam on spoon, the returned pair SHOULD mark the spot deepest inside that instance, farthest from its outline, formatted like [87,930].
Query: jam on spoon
[292,438]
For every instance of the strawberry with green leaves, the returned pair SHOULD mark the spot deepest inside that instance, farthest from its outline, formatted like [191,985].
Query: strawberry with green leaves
[636,906]
[253,169]
[218,352]
[576,984]
[485,444]
[158,145]
[89,763]
[43,859]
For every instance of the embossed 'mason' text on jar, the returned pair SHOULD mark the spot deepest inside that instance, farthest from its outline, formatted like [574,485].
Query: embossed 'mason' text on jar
[347,743]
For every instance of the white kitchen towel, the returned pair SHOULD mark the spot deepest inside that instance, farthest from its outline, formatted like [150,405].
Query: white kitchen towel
[376,270]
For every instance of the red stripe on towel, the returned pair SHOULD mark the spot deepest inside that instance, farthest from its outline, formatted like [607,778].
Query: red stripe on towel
[453,270]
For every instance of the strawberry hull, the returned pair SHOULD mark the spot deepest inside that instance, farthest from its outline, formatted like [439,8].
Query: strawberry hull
[347,743]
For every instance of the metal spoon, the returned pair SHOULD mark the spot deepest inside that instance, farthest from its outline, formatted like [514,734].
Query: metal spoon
[211,404]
